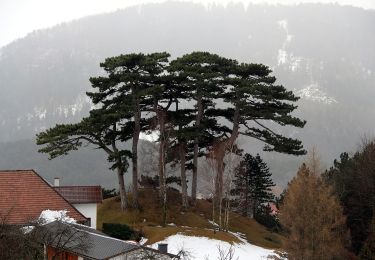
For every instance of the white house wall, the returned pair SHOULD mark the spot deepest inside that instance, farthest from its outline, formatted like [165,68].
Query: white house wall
[89,210]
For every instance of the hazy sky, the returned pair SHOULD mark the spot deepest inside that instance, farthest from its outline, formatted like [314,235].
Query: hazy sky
[20,17]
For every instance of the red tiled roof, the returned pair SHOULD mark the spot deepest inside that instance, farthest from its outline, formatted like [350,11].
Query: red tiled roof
[24,195]
[80,194]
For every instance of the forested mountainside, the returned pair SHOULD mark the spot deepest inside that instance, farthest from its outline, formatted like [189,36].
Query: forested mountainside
[322,52]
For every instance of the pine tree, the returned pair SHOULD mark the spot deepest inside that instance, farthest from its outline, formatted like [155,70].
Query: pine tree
[253,100]
[262,183]
[353,179]
[127,90]
[183,134]
[252,184]
[122,95]
[101,130]
[313,219]
[201,78]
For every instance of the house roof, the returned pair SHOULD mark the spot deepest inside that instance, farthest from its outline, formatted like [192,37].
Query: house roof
[81,194]
[98,246]
[24,195]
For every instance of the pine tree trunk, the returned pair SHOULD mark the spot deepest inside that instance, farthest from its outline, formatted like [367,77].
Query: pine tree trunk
[121,183]
[219,184]
[245,212]
[220,151]
[120,173]
[137,130]
[183,176]
[196,151]
[254,208]
[162,177]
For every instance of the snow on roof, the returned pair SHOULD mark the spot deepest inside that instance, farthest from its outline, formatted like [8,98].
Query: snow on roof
[48,216]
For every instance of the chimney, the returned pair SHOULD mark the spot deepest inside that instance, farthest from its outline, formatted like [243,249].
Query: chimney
[163,248]
[56,182]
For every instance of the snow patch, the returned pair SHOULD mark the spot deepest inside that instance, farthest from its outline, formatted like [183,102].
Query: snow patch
[27,229]
[206,248]
[73,109]
[314,93]
[283,24]
[281,57]
[40,112]
[149,136]
[282,54]
[295,63]
[143,241]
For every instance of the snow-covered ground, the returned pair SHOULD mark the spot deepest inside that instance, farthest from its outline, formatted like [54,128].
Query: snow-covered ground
[202,248]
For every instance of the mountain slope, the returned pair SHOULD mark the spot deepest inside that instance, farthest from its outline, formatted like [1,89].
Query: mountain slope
[323,52]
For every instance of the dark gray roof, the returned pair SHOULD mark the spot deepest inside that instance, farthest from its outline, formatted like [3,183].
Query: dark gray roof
[97,245]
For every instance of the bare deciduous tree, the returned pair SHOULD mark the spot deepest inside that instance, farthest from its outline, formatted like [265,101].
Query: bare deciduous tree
[62,237]
[209,179]
[225,254]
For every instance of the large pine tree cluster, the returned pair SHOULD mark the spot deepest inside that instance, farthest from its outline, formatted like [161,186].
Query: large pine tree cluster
[197,104]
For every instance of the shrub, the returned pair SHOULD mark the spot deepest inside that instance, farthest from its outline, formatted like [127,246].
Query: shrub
[121,231]
[264,217]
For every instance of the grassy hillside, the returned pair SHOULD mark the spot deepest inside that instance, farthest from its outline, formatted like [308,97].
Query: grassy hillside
[195,221]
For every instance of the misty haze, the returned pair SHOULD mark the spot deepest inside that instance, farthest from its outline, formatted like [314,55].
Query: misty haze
[314,135]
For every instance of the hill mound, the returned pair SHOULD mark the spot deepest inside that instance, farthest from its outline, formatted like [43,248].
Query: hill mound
[193,222]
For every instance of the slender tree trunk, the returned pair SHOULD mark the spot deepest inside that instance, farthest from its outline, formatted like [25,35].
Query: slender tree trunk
[220,213]
[137,130]
[227,210]
[219,184]
[162,177]
[196,151]
[183,176]
[245,212]
[213,197]
[213,208]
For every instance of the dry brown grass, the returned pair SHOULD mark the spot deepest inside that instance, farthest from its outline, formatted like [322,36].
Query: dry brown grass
[192,222]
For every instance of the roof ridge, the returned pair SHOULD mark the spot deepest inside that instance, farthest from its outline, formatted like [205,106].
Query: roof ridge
[67,186]
[94,232]
[24,170]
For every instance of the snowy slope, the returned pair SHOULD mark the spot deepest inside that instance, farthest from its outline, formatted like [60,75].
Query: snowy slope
[202,248]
